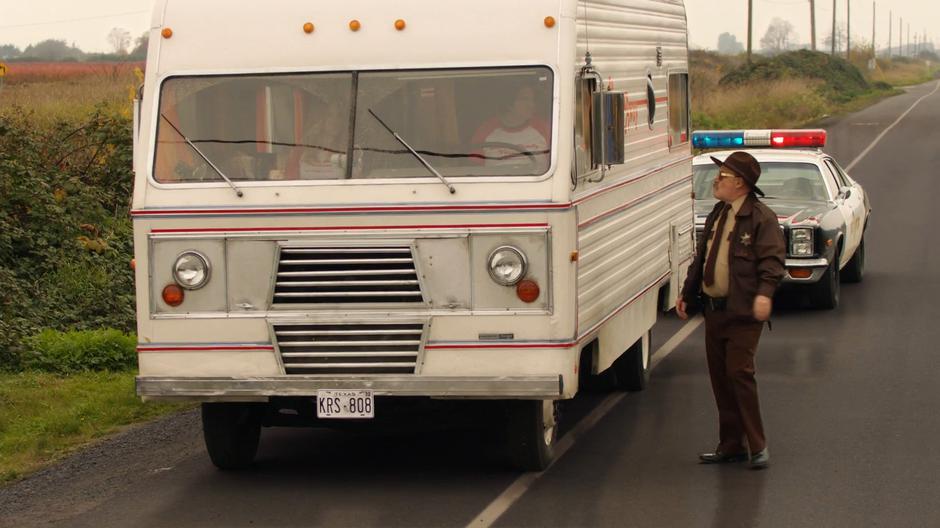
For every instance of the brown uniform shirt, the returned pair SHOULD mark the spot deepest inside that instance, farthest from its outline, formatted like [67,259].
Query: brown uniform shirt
[720,286]
[756,257]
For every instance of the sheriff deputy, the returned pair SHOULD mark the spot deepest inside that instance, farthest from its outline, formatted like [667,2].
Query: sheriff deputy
[739,261]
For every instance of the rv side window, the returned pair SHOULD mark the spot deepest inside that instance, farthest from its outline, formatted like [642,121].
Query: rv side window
[584,162]
[678,109]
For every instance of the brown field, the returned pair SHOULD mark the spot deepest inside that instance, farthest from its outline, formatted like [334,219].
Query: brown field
[69,91]
[33,72]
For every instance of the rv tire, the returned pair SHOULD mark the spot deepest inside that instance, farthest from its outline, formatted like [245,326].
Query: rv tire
[632,369]
[532,427]
[231,432]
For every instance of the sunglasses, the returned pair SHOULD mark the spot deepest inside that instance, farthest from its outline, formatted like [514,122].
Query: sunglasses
[727,175]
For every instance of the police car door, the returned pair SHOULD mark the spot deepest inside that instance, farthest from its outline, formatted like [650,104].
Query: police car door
[851,204]
[855,200]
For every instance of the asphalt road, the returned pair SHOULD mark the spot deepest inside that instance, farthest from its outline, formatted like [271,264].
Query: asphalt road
[850,400]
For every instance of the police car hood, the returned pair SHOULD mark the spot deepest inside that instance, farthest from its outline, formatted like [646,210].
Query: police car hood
[788,211]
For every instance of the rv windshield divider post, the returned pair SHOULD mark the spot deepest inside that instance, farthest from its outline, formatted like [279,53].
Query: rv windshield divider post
[353,108]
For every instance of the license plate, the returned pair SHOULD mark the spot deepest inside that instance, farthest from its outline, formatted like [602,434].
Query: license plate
[352,404]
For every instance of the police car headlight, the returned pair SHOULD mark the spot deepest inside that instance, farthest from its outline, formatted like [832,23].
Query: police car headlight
[507,265]
[801,242]
[191,270]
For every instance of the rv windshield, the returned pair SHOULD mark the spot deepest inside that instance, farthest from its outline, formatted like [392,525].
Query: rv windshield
[479,122]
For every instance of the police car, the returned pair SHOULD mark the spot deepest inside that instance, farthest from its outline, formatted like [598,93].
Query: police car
[822,211]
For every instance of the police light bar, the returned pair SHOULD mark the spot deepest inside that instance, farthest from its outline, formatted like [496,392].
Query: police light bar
[715,139]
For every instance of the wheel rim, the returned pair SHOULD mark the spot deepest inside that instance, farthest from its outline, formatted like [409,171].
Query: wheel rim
[549,420]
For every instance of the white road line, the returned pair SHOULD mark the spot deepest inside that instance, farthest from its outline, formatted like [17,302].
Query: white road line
[675,340]
[885,132]
[517,489]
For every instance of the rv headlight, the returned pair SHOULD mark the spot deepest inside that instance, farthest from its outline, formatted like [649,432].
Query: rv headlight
[507,265]
[801,242]
[191,270]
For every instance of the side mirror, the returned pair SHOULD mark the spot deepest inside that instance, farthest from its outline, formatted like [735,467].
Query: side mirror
[607,118]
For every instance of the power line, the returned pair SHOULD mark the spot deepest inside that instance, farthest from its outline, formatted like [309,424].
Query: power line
[32,24]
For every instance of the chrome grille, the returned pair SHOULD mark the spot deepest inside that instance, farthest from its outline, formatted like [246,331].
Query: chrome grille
[380,348]
[346,275]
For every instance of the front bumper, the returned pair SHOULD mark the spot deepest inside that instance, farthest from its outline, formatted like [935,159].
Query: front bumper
[262,388]
[817,267]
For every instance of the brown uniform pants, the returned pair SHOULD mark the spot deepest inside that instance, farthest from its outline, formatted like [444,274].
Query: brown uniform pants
[730,344]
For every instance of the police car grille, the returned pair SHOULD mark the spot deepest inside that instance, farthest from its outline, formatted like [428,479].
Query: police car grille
[350,275]
[379,348]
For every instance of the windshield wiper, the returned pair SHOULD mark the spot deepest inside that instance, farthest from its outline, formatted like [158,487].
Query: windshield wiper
[203,156]
[415,153]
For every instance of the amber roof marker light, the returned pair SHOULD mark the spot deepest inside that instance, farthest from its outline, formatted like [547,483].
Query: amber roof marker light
[167,33]
[355,25]
[309,27]
[549,22]
[400,25]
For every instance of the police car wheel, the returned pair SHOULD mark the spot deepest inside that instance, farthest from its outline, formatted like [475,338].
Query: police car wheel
[532,427]
[825,293]
[855,270]
[632,369]
[231,432]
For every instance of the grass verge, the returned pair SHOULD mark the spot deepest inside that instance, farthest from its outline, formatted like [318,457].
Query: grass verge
[46,416]
[792,90]
[72,101]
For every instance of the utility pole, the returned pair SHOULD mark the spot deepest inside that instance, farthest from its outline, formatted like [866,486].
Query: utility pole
[908,38]
[833,53]
[874,13]
[812,21]
[901,36]
[750,27]
[848,30]
[890,27]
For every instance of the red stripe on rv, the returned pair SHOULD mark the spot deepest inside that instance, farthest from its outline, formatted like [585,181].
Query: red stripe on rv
[346,228]
[141,350]
[495,346]
[370,209]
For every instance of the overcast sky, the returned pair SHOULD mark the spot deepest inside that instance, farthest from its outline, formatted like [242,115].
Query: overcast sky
[87,22]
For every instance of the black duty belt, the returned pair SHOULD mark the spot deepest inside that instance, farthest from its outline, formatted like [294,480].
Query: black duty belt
[715,304]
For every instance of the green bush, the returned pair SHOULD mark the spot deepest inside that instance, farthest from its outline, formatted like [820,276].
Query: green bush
[80,351]
[840,80]
[65,230]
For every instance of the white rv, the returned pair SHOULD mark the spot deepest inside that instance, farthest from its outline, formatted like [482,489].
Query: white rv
[339,203]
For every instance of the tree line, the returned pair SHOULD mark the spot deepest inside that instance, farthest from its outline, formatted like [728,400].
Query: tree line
[125,48]
[781,37]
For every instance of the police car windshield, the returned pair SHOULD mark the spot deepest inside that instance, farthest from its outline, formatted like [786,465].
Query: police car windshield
[778,180]
[465,122]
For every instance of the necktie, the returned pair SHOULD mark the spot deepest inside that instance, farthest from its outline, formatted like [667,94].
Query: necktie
[716,243]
